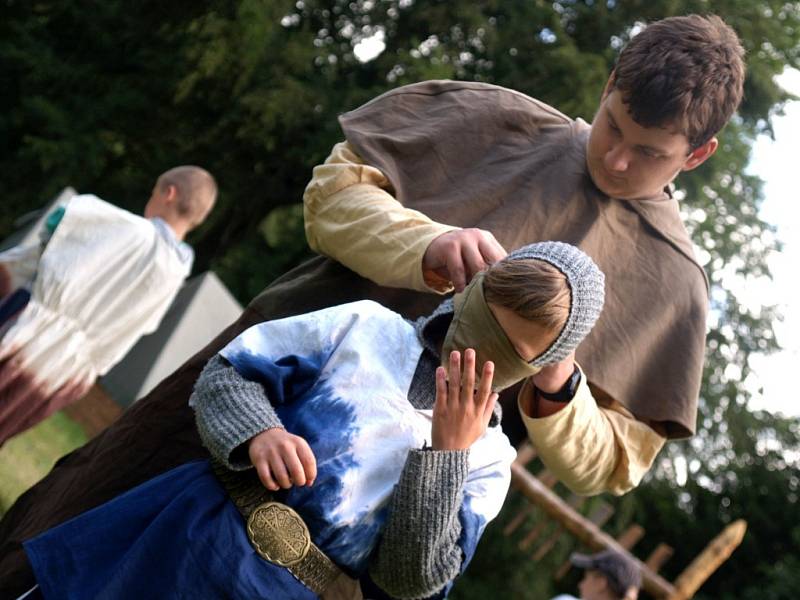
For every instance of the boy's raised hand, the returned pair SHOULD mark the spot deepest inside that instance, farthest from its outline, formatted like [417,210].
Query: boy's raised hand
[461,414]
[282,459]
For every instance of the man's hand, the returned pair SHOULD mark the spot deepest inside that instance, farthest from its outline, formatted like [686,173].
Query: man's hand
[461,414]
[553,377]
[282,459]
[458,255]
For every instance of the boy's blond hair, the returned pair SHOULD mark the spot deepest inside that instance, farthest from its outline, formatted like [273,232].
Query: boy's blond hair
[532,288]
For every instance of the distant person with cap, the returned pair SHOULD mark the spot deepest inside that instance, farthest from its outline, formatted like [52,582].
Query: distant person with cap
[609,576]
[73,302]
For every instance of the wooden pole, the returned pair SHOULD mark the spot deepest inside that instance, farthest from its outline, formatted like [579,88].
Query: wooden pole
[716,553]
[583,529]
[628,538]
[659,556]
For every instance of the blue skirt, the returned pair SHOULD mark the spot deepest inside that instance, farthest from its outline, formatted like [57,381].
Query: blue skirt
[175,536]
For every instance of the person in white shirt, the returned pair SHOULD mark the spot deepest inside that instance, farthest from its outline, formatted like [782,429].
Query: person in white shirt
[75,301]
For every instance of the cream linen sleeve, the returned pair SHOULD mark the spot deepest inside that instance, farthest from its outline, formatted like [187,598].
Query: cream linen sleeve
[593,449]
[351,217]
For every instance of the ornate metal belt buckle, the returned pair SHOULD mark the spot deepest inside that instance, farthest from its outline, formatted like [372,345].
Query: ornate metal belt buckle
[278,534]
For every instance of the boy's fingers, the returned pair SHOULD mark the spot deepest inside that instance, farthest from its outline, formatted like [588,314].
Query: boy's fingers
[485,388]
[441,383]
[265,475]
[309,461]
[441,387]
[468,386]
[294,467]
[454,386]
[279,472]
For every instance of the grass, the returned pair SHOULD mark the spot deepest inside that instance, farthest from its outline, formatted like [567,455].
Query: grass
[28,457]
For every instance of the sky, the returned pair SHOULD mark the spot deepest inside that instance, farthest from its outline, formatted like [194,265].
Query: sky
[776,162]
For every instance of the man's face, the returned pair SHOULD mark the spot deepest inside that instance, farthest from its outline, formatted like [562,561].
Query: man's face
[630,162]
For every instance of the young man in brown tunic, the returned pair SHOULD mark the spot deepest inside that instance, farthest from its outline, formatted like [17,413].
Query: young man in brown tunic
[468,155]
[471,156]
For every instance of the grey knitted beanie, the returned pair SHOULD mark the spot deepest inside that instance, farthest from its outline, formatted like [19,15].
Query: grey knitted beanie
[586,282]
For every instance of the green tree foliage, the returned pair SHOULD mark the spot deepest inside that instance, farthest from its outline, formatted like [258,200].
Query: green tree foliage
[103,96]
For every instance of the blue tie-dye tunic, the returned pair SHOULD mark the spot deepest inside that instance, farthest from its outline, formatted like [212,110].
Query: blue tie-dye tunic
[339,378]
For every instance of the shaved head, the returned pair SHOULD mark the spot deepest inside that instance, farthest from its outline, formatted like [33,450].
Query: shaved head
[196,191]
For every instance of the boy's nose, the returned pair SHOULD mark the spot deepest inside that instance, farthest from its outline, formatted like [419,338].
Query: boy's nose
[618,159]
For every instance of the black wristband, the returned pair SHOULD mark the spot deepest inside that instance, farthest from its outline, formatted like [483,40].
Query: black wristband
[567,391]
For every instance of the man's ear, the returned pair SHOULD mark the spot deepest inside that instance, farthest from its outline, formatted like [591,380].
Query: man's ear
[172,193]
[700,154]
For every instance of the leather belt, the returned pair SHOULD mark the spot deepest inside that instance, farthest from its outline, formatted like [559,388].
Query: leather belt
[277,533]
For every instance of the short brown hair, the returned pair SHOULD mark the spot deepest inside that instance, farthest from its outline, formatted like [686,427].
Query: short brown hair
[532,288]
[196,188]
[682,71]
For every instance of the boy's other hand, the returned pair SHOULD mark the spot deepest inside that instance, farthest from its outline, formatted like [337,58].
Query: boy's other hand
[553,377]
[461,414]
[282,459]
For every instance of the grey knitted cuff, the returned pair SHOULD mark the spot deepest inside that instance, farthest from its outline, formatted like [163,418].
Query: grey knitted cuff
[230,410]
[419,554]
